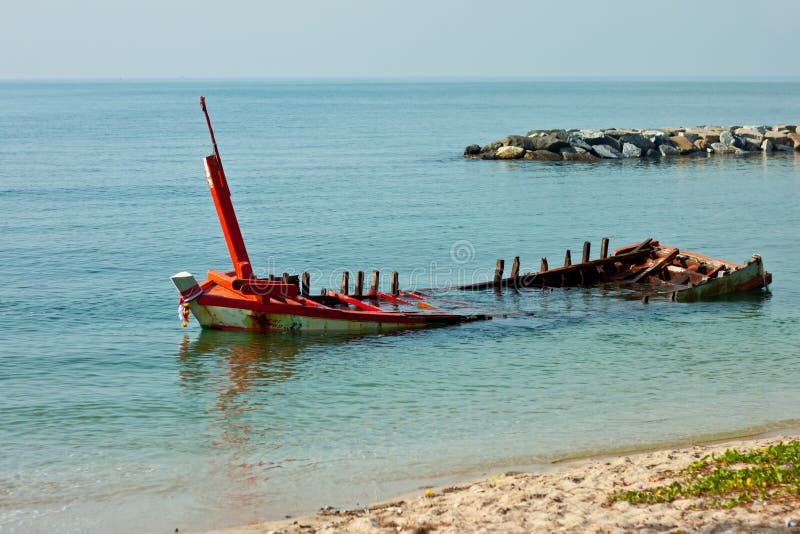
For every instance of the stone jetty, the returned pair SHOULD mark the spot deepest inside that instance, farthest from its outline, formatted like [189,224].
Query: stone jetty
[613,143]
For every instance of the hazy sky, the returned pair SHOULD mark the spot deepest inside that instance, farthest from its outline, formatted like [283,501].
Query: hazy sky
[412,38]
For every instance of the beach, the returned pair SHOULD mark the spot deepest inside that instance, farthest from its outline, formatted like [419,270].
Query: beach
[572,496]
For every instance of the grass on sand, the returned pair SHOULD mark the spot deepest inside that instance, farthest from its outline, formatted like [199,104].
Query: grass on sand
[731,479]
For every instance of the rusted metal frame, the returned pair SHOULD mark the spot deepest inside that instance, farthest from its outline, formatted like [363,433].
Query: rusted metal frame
[375,284]
[498,274]
[514,278]
[713,272]
[634,248]
[358,290]
[657,266]
[563,276]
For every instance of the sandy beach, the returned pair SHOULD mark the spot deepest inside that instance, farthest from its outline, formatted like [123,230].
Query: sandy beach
[569,497]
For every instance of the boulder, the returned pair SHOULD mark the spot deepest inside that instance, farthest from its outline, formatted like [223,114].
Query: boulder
[617,133]
[488,155]
[720,148]
[607,151]
[729,139]
[683,144]
[740,152]
[783,148]
[779,137]
[542,155]
[797,130]
[653,133]
[669,131]
[751,132]
[575,139]
[653,153]
[472,151]
[547,142]
[664,140]
[711,138]
[593,137]
[629,150]
[579,156]
[795,139]
[510,152]
[638,140]
[668,150]
[700,144]
[695,130]
[605,140]
[767,146]
[568,149]
[752,145]
[558,134]
[491,147]
[598,137]
[519,141]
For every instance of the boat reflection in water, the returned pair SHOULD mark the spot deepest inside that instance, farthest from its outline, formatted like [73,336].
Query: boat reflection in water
[242,390]
[241,366]
[249,360]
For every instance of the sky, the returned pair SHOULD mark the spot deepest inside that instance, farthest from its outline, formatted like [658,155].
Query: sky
[122,39]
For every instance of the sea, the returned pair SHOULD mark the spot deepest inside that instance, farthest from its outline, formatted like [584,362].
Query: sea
[113,418]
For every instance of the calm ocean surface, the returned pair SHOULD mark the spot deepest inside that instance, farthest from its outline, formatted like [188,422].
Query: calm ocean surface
[114,419]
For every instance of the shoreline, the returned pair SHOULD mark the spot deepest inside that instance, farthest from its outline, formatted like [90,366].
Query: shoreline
[569,493]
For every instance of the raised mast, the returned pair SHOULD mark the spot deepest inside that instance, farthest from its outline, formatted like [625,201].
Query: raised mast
[218,186]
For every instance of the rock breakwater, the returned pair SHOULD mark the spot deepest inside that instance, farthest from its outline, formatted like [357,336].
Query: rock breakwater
[613,143]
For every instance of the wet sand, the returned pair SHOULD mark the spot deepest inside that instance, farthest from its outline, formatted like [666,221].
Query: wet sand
[571,497]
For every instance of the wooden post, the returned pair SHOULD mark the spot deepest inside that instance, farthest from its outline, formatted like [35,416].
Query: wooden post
[359,289]
[543,268]
[498,273]
[285,278]
[568,258]
[604,248]
[376,281]
[586,248]
[395,287]
[345,283]
[515,271]
[305,284]
[272,278]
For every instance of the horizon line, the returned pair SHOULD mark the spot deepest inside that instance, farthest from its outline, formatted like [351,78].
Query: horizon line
[406,79]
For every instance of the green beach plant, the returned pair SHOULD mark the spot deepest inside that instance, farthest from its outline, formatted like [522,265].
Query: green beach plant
[731,479]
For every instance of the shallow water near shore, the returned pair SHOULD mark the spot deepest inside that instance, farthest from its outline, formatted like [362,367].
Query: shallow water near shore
[112,417]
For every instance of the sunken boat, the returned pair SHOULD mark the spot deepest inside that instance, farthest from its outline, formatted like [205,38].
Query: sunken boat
[648,268]
[238,300]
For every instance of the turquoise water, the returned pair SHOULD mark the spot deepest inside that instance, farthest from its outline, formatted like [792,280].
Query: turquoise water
[112,417]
